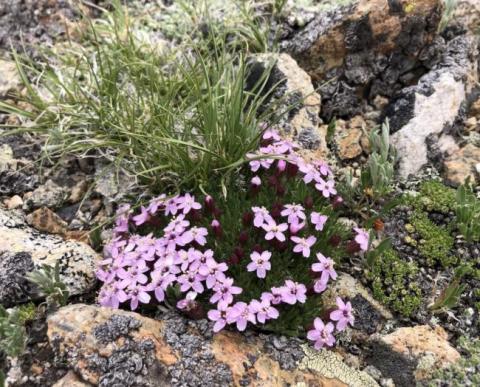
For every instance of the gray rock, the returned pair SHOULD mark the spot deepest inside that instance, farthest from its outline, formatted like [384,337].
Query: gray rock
[431,107]
[112,183]
[48,195]
[9,79]
[23,249]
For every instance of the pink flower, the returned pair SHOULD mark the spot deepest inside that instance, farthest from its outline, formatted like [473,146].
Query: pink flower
[155,204]
[271,134]
[188,303]
[362,238]
[112,295]
[320,286]
[323,168]
[275,230]
[322,334]
[294,212]
[224,291]
[191,281]
[240,314]
[261,216]
[171,206]
[123,215]
[343,314]
[256,181]
[296,227]
[325,266]
[213,272]
[264,310]
[187,203]
[177,225]
[308,170]
[196,234]
[136,294]
[219,315]
[327,188]
[303,245]
[318,220]
[132,276]
[292,292]
[142,217]
[260,263]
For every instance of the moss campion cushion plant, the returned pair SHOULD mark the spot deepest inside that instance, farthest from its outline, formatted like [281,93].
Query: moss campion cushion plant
[262,255]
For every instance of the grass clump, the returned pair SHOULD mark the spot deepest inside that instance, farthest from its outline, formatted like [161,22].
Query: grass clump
[394,283]
[181,117]
[435,243]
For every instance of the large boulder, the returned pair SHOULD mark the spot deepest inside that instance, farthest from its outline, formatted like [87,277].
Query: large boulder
[366,46]
[107,347]
[23,249]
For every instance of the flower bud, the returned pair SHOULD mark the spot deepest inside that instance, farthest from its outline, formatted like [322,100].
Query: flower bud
[335,240]
[257,248]
[280,190]
[195,215]
[273,181]
[239,252]
[243,237]
[337,202]
[233,260]
[247,219]
[353,247]
[216,228]
[292,170]
[308,202]
[295,228]
[209,203]
[281,166]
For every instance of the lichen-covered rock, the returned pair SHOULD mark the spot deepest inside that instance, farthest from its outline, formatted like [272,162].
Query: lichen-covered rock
[45,220]
[294,89]
[463,164]
[105,346]
[71,380]
[23,249]
[402,354]
[370,46]
[467,14]
[427,109]
[9,79]
[49,195]
[349,136]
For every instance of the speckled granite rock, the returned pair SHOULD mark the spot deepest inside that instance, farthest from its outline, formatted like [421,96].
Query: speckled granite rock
[23,249]
[419,112]
[365,46]
[462,164]
[296,89]
[49,195]
[105,346]
[9,79]
[467,14]
[71,380]
[411,354]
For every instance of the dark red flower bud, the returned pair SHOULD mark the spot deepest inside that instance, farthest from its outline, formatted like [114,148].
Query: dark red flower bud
[308,202]
[195,311]
[233,260]
[277,208]
[217,228]
[239,252]
[257,248]
[337,202]
[353,247]
[335,240]
[280,190]
[310,290]
[243,237]
[216,212]
[247,218]
[292,170]
[209,203]
[273,181]
[195,215]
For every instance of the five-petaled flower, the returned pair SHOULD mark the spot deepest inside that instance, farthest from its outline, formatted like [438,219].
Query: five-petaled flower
[275,230]
[343,315]
[260,263]
[325,266]
[362,238]
[303,245]
[322,334]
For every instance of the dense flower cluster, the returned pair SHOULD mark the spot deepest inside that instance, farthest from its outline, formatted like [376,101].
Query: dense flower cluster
[166,247]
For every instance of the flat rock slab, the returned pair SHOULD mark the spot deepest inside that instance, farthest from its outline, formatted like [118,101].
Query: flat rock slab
[105,346]
[23,249]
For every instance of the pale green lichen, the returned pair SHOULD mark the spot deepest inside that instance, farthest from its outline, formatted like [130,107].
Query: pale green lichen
[330,365]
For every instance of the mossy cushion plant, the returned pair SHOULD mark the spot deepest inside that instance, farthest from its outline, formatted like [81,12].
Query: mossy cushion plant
[394,283]
[261,255]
